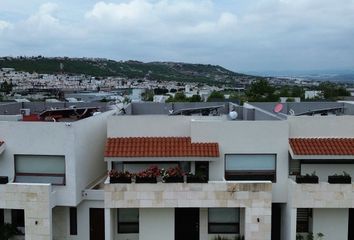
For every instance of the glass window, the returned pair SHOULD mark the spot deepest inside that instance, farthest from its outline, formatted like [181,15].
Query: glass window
[303,220]
[128,220]
[1,217]
[250,167]
[223,220]
[40,169]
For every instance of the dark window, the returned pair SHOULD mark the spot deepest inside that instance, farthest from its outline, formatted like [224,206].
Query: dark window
[303,220]
[261,167]
[73,221]
[128,220]
[1,217]
[18,217]
[224,220]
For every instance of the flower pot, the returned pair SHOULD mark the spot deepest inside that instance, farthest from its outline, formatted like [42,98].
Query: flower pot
[339,179]
[4,180]
[306,179]
[174,179]
[120,180]
[145,180]
[196,179]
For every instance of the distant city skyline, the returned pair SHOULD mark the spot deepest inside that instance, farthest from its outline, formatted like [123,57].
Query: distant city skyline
[241,35]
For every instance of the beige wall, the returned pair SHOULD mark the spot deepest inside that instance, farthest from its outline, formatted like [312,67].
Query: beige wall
[156,224]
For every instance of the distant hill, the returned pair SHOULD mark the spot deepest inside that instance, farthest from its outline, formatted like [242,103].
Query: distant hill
[164,71]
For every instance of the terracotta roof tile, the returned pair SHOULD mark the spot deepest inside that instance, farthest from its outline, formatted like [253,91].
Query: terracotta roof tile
[322,146]
[159,147]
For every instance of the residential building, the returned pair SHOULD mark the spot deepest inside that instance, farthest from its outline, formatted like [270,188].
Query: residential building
[247,159]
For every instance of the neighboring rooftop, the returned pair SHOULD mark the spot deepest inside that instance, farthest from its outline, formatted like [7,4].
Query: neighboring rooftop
[53,111]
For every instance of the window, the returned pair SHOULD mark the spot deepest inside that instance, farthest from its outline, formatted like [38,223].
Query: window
[18,217]
[40,169]
[250,167]
[224,220]
[128,220]
[1,217]
[73,221]
[303,220]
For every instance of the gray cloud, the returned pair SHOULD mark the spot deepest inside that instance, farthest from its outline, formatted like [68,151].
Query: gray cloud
[242,35]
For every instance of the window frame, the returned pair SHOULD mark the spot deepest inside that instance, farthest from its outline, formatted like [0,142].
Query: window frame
[251,175]
[225,224]
[303,224]
[127,223]
[62,175]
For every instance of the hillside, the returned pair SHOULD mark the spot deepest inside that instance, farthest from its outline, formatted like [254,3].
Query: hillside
[164,71]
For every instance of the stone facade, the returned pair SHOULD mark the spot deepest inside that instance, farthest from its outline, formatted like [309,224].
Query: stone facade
[34,199]
[321,195]
[255,197]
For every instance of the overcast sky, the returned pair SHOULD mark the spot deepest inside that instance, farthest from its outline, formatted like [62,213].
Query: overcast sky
[242,35]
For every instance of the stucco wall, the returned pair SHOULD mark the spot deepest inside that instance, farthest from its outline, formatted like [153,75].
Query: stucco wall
[156,224]
[247,137]
[321,126]
[333,223]
[89,141]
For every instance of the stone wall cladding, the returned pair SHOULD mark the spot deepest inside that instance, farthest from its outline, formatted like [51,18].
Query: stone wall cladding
[256,198]
[35,200]
[321,195]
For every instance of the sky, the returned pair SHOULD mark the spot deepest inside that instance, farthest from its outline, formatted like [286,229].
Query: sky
[241,35]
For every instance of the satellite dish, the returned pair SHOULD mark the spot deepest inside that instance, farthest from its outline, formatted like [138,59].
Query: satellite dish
[278,108]
[233,115]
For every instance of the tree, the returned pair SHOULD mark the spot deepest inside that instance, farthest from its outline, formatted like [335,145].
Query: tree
[332,91]
[216,96]
[195,98]
[261,91]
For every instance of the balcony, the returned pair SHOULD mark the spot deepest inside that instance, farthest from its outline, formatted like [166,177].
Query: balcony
[321,195]
[169,195]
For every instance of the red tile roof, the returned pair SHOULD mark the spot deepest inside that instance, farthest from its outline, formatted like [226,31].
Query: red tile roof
[322,146]
[159,147]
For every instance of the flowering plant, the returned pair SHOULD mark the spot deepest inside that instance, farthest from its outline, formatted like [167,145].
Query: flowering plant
[173,172]
[119,174]
[152,171]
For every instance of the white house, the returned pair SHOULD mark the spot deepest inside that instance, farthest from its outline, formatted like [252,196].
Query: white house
[243,182]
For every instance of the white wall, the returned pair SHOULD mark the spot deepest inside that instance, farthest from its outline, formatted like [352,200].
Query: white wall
[321,126]
[40,138]
[247,137]
[156,223]
[324,170]
[149,126]
[333,223]
[89,142]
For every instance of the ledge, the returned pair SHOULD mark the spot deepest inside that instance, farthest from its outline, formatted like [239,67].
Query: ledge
[321,195]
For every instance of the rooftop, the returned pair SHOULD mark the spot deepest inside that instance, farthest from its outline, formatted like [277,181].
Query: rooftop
[322,146]
[159,147]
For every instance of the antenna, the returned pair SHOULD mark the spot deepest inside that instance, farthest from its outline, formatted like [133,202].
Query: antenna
[278,108]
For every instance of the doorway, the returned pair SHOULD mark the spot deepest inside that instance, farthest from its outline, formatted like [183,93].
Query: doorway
[187,224]
[97,224]
[276,221]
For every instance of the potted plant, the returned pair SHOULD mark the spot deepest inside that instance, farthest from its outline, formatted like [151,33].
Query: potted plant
[8,231]
[119,177]
[313,178]
[173,175]
[4,179]
[340,178]
[148,175]
[196,178]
